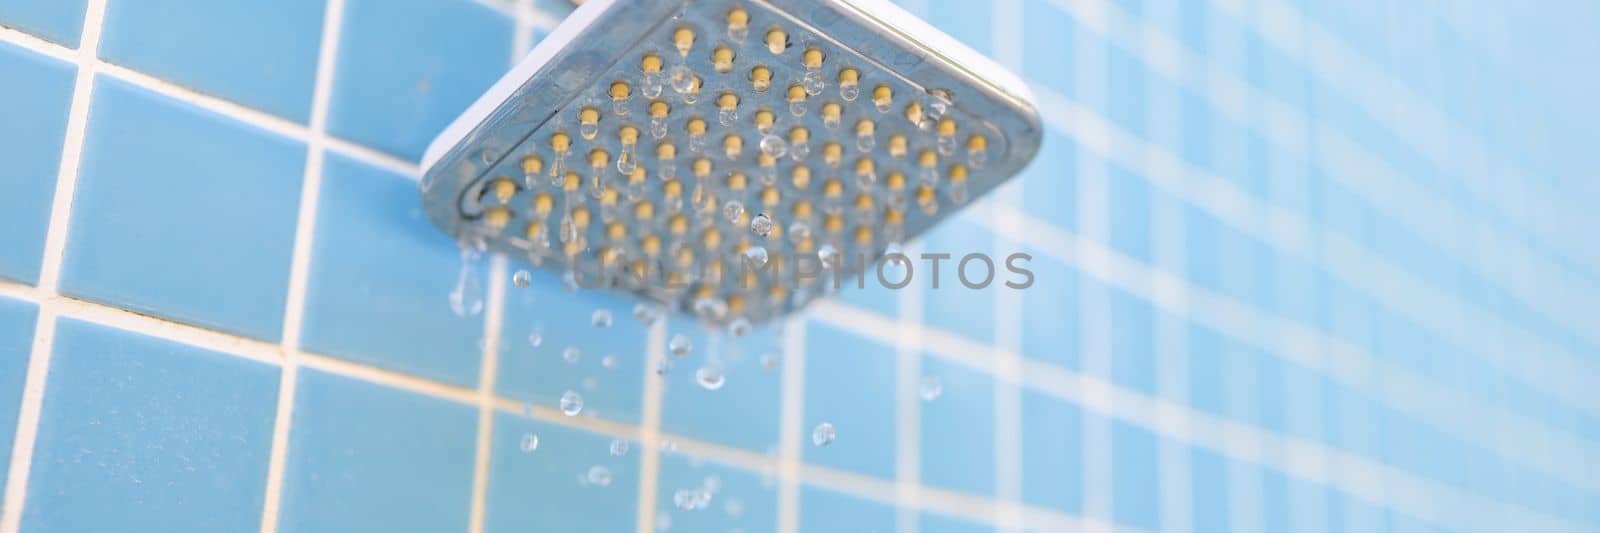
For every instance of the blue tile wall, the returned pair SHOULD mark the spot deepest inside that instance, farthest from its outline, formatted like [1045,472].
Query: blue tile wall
[16,343]
[139,433]
[1263,235]
[560,321]
[155,230]
[407,68]
[61,21]
[366,457]
[540,479]
[740,500]
[365,303]
[35,106]
[263,59]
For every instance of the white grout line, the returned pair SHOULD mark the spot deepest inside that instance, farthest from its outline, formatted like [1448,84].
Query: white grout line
[791,422]
[33,387]
[908,410]
[650,427]
[300,263]
[493,320]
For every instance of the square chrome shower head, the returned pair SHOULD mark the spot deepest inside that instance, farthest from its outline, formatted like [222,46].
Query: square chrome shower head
[727,157]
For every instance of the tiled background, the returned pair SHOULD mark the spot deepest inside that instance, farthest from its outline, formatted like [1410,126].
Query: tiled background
[1308,266]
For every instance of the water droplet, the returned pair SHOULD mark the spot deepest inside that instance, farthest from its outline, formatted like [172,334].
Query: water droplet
[685,499]
[680,345]
[822,435]
[732,210]
[799,232]
[682,78]
[530,442]
[663,522]
[663,367]
[712,484]
[570,354]
[609,361]
[522,279]
[761,225]
[813,82]
[930,388]
[756,255]
[619,448]
[769,361]
[599,476]
[571,403]
[710,377]
[466,299]
[829,255]
[601,318]
[740,327]
[734,507]
[536,338]
[774,146]
[646,313]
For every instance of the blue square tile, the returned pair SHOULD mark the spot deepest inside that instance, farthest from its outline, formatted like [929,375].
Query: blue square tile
[1052,452]
[1050,315]
[958,428]
[1208,478]
[741,500]
[849,383]
[408,67]
[58,20]
[16,343]
[1127,100]
[143,434]
[183,213]
[261,55]
[540,480]
[826,511]
[381,277]
[937,523]
[1135,495]
[609,365]
[1133,347]
[365,457]
[744,411]
[951,305]
[34,102]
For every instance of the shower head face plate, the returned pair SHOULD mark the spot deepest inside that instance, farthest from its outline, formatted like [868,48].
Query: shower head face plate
[727,157]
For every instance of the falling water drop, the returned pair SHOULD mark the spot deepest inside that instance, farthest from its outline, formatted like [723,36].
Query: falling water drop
[601,318]
[769,361]
[530,442]
[822,435]
[930,388]
[646,313]
[680,345]
[710,377]
[522,279]
[761,225]
[599,476]
[609,362]
[756,256]
[536,337]
[571,403]
[466,299]
[619,448]
[740,327]
[571,355]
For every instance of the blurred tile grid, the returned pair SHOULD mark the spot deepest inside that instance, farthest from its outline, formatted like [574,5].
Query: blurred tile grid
[1299,265]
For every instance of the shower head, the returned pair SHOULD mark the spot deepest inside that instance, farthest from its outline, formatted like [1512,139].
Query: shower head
[727,157]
